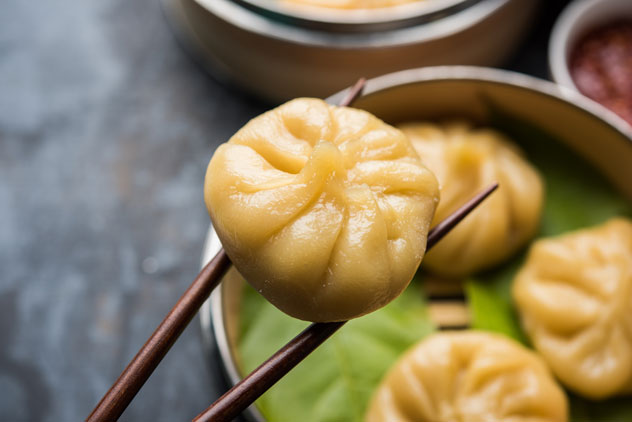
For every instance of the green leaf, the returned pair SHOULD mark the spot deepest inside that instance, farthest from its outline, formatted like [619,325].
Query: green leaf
[490,304]
[335,382]
[618,409]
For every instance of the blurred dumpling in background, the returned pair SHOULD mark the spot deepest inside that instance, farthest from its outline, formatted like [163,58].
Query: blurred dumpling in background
[574,294]
[466,161]
[350,4]
[468,376]
[325,210]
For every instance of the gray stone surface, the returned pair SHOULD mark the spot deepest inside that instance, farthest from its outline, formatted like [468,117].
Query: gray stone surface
[106,128]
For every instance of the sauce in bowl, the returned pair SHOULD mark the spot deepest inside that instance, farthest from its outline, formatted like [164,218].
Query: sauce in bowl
[601,67]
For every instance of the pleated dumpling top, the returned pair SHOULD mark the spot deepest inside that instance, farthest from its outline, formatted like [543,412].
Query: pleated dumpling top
[325,210]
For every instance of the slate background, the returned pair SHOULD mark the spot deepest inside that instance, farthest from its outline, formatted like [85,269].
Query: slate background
[106,128]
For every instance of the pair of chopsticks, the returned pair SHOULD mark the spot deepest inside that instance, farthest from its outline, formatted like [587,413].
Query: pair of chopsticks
[244,393]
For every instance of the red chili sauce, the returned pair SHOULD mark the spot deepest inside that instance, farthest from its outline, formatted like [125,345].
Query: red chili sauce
[601,67]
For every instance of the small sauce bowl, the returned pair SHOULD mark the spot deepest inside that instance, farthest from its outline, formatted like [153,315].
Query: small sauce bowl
[580,19]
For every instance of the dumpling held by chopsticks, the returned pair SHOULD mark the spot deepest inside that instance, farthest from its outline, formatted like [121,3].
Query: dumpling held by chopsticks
[325,210]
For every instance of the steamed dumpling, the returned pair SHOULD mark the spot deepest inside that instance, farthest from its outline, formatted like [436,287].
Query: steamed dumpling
[350,4]
[325,210]
[468,376]
[574,294]
[466,161]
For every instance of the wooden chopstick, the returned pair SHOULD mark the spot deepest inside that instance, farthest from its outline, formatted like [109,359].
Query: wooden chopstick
[120,395]
[246,391]
[129,383]
[354,92]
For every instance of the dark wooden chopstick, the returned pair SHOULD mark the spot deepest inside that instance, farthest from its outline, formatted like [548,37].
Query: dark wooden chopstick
[246,391]
[354,93]
[129,383]
[120,395]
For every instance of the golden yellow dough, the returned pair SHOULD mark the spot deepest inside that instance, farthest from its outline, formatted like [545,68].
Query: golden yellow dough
[466,161]
[468,376]
[350,4]
[325,210]
[574,294]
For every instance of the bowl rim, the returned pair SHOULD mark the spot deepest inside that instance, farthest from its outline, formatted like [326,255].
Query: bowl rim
[250,21]
[212,324]
[495,76]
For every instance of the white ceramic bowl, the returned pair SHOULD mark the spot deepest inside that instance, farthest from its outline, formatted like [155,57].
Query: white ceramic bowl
[575,21]
[451,91]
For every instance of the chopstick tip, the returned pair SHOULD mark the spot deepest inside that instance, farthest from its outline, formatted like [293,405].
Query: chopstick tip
[354,92]
[441,229]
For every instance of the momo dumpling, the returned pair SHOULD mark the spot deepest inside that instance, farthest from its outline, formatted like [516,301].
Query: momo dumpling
[468,376]
[466,161]
[349,4]
[325,210]
[574,294]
